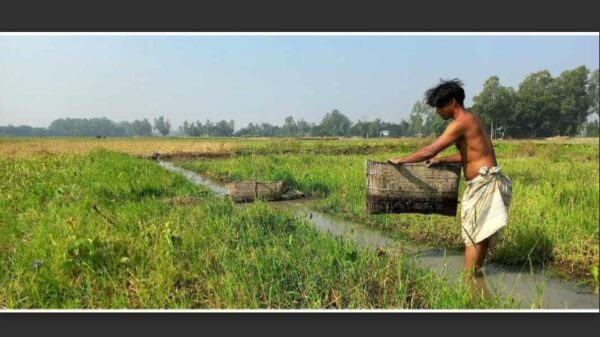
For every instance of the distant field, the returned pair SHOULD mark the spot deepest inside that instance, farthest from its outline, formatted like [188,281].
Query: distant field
[10,146]
[131,146]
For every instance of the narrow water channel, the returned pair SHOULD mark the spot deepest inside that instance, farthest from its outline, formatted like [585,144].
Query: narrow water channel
[531,287]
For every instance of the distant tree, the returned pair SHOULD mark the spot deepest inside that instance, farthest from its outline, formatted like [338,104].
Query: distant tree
[405,128]
[359,128]
[249,131]
[334,124]
[432,123]
[417,114]
[268,130]
[496,106]
[209,128]
[87,127]
[395,129]
[188,129]
[124,128]
[163,126]
[537,107]
[367,129]
[571,89]
[304,128]
[24,131]
[260,130]
[183,127]
[593,89]
[290,128]
[224,129]
[141,127]
[194,129]
[590,128]
[375,127]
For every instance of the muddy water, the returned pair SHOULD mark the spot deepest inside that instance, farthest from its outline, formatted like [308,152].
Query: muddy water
[532,288]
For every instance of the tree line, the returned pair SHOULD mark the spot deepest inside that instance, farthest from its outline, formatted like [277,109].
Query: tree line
[541,106]
[83,127]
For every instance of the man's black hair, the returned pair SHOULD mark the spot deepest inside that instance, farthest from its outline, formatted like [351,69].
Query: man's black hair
[444,92]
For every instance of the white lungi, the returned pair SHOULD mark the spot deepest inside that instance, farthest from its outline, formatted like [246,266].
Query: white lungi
[485,205]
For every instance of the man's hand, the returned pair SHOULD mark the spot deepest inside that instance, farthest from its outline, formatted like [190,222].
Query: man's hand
[432,162]
[395,161]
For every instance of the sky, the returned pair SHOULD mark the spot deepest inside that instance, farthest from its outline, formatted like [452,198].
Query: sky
[260,78]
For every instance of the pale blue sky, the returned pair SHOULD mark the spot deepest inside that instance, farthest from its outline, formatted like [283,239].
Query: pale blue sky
[259,78]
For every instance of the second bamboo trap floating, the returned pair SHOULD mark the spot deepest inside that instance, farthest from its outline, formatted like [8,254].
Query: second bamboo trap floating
[412,188]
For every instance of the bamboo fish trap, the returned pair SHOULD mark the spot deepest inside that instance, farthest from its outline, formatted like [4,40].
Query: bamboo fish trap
[412,188]
[249,191]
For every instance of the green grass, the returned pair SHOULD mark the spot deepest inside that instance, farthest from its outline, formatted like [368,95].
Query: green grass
[553,215]
[95,231]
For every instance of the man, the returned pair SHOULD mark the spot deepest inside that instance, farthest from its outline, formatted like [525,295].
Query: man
[488,192]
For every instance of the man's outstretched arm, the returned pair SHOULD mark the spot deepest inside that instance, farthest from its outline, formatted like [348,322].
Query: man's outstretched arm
[454,131]
[455,158]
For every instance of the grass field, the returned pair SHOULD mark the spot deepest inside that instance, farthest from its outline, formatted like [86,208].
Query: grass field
[87,228]
[553,216]
[106,230]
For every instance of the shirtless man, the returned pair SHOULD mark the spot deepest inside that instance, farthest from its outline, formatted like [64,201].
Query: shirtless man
[484,210]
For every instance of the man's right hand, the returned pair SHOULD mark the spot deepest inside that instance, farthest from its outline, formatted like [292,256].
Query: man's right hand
[432,162]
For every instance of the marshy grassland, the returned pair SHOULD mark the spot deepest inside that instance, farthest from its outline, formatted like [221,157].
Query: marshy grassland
[553,216]
[85,223]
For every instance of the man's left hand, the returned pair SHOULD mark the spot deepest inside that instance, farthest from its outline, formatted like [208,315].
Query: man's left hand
[395,161]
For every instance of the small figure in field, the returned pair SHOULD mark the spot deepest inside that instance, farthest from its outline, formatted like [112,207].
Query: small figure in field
[488,192]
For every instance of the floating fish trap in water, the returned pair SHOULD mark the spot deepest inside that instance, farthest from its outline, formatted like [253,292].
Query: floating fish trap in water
[412,188]
[248,191]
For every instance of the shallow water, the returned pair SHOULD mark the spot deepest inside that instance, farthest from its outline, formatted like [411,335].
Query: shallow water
[532,288]
[195,178]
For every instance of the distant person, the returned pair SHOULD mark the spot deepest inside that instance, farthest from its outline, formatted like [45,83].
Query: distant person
[488,192]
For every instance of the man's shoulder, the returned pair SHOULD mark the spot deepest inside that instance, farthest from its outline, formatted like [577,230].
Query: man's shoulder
[468,119]
[463,122]
[471,115]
